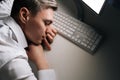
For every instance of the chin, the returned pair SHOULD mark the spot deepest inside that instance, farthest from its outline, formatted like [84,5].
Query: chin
[37,42]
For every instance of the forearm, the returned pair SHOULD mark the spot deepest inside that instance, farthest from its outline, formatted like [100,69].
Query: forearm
[5,8]
[37,56]
[42,64]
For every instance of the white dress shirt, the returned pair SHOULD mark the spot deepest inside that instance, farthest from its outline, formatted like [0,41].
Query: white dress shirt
[13,59]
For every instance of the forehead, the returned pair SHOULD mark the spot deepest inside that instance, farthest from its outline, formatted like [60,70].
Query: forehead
[46,14]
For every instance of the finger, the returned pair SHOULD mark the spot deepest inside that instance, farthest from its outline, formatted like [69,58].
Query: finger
[46,44]
[51,33]
[54,31]
[50,38]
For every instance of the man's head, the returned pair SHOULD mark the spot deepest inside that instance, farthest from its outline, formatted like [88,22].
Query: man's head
[34,16]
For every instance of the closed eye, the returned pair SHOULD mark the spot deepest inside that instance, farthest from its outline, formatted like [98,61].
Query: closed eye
[48,22]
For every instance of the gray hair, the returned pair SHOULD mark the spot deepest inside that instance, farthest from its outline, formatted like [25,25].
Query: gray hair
[33,5]
[51,3]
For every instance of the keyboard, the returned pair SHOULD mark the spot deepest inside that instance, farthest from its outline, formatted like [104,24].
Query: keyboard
[77,32]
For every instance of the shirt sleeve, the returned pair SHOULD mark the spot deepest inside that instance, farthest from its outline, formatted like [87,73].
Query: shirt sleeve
[19,69]
[47,74]
[5,8]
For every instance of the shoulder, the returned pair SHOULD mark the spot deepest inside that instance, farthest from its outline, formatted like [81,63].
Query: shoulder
[7,36]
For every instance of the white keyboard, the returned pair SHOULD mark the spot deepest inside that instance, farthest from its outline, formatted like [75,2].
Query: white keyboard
[77,32]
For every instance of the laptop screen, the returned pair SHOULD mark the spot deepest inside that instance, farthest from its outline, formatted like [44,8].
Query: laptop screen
[95,5]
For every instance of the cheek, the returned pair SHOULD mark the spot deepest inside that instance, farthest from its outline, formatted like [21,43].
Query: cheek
[37,30]
[38,35]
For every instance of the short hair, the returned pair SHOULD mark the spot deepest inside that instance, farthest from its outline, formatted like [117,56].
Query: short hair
[32,5]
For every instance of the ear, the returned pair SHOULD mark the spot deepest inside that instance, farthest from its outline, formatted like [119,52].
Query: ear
[24,15]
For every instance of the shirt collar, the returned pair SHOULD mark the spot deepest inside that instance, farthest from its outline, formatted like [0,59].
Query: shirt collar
[17,30]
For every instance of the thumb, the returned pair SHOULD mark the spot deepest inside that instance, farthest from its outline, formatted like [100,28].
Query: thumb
[46,44]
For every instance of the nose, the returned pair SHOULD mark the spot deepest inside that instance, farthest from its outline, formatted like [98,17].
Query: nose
[44,30]
[44,35]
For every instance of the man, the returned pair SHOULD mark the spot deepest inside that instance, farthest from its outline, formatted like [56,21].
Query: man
[24,25]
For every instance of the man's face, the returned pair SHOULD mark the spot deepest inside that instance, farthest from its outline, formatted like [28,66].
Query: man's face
[36,25]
